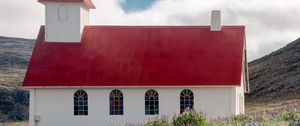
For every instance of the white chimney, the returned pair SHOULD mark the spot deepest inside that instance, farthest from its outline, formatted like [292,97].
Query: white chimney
[65,20]
[216,20]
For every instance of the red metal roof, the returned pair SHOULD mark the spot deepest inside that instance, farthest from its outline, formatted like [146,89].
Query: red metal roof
[140,56]
[88,3]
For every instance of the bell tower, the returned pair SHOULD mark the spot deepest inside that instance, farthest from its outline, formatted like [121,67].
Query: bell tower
[65,19]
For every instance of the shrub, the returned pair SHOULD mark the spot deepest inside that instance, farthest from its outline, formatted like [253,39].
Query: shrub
[156,121]
[290,116]
[239,119]
[192,118]
[14,104]
[189,118]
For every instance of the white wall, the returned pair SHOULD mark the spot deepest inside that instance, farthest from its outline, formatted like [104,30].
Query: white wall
[238,99]
[84,18]
[68,29]
[241,97]
[32,107]
[56,105]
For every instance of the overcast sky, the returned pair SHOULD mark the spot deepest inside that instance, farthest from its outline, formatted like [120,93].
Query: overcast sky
[270,24]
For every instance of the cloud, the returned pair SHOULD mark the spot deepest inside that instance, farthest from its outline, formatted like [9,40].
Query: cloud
[270,24]
[20,18]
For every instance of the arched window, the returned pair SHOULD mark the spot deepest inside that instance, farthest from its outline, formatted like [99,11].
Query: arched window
[116,103]
[62,13]
[186,100]
[80,103]
[151,102]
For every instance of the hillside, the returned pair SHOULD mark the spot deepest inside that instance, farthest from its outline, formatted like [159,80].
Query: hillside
[276,77]
[14,55]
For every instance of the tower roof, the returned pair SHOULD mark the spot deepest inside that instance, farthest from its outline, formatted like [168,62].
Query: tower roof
[88,3]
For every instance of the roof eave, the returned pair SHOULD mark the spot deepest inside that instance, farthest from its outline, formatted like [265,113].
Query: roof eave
[87,3]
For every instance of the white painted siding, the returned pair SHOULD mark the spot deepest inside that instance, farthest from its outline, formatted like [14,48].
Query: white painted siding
[56,105]
[216,21]
[238,99]
[65,21]
[84,18]
[241,97]
[32,107]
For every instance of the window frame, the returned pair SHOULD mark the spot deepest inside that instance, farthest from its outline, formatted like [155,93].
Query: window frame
[116,102]
[186,100]
[151,102]
[80,103]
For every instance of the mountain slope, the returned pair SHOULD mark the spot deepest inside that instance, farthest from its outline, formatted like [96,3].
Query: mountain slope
[276,77]
[14,55]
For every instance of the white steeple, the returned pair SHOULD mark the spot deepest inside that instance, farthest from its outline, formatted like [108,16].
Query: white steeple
[65,19]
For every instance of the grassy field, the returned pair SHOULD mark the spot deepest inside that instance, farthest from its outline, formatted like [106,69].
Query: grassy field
[14,124]
[275,106]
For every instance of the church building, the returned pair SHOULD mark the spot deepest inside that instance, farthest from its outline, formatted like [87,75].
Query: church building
[85,75]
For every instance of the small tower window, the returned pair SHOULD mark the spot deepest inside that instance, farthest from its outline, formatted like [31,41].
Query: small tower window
[116,103]
[186,100]
[151,102]
[62,13]
[80,103]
